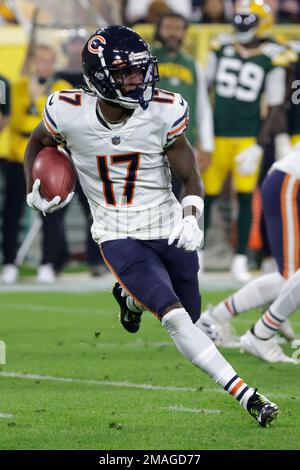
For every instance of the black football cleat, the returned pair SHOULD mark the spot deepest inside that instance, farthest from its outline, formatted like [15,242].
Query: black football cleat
[130,320]
[262,409]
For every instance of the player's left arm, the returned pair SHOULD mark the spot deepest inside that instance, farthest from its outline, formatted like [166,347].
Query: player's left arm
[204,117]
[275,123]
[183,163]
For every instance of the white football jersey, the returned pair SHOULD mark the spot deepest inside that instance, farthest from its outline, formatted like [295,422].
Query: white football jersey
[122,169]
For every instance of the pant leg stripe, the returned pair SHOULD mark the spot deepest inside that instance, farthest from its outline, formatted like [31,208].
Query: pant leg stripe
[291,241]
[123,285]
[296,224]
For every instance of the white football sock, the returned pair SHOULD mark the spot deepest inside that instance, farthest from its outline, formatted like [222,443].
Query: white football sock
[196,346]
[285,304]
[256,293]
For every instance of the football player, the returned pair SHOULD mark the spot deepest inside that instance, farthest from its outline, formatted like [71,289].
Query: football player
[281,205]
[259,341]
[124,135]
[242,68]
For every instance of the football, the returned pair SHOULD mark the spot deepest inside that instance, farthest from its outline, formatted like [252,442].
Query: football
[54,168]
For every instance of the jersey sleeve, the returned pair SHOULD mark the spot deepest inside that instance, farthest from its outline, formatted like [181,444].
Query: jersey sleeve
[275,86]
[178,120]
[277,54]
[50,118]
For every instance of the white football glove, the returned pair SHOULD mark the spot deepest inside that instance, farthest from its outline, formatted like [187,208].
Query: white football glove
[249,159]
[283,145]
[189,235]
[36,201]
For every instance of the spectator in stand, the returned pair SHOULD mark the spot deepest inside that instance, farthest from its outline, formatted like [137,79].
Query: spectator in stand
[28,98]
[137,10]
[289,11]
[156,9]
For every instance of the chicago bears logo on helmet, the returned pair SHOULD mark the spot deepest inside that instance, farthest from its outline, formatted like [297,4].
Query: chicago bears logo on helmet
[94,43]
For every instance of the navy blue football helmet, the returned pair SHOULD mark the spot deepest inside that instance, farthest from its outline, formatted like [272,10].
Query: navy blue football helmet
[112,53]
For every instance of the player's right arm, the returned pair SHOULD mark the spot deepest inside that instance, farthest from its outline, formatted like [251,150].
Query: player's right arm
[39,139]
[46,134]
[183,163]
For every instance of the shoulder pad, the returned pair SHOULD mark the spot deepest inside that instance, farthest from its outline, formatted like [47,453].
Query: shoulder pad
[220,41]
[277,53]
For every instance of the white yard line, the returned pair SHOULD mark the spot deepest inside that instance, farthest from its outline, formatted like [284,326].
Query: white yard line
[136,344]
[50,378]
[108,383]
[182,409]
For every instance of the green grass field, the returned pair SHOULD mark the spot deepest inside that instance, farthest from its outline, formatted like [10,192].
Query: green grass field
[108,401]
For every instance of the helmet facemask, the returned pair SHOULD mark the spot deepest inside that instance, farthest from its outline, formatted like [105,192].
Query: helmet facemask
[108,82]
[246,26]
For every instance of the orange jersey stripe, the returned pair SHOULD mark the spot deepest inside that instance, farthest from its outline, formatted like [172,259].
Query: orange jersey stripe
[49,128]
[178,129]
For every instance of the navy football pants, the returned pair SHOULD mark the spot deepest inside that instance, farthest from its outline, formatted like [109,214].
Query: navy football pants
[155,274]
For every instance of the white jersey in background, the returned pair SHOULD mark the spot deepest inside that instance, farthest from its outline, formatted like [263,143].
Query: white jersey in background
[290,164]
[122,168]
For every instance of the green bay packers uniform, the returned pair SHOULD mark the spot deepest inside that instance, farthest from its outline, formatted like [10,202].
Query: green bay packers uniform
[240,77]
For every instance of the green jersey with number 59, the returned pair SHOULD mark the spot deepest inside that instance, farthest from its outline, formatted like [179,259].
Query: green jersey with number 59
[240,76]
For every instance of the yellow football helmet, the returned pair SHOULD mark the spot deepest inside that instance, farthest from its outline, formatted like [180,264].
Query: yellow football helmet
[252,18]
